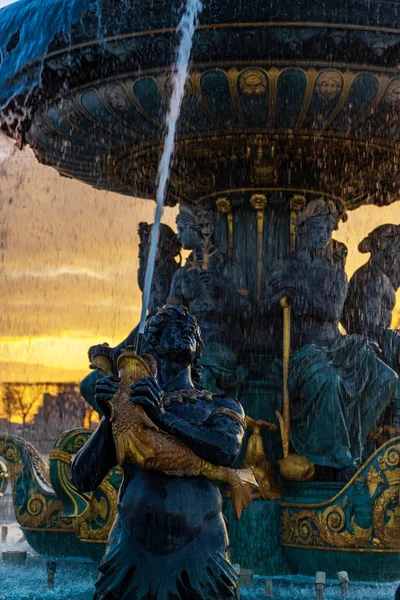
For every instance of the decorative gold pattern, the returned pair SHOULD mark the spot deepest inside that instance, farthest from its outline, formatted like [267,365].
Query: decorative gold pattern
[197,160]
[297,203]
[60,455]
[306,529]
[259,202]
[393,93]
[373,494]
[94,512]
[36,505]
[255,457]
[374,479]
[95,523]
[187,395]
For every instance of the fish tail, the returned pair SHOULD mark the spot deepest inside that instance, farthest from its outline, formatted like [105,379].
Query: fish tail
[243,483]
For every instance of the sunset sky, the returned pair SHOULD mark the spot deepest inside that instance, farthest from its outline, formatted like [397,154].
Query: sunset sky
[68,261]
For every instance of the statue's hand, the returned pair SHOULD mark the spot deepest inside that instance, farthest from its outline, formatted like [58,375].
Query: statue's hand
[148,394]
[212,282]
[105,390]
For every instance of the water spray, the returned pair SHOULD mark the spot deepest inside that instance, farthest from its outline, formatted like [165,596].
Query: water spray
[186,28]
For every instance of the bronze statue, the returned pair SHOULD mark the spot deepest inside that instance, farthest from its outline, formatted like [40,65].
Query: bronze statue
[211,286]
[170,538]
[140,441]
[102,358]
[334,379]
[371,299]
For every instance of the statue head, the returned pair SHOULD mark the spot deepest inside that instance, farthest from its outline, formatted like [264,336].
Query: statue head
[384,245]
[168,249]
[172,335]
[316,223]
[195,226]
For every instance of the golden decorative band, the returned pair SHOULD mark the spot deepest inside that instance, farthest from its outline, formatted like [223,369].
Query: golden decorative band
[297,203]
[259,202]
[225,207]
[61,456]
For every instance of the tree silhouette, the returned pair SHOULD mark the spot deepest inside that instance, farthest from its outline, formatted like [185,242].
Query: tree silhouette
[18,401]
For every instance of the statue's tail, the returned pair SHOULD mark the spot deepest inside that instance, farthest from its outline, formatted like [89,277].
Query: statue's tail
[243,483]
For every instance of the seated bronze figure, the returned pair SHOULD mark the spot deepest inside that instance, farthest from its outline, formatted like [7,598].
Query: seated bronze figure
[338,385]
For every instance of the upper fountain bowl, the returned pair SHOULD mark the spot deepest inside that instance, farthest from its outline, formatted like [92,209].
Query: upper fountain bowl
[287,95]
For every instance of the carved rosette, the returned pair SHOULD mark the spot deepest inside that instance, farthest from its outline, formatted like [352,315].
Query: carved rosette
[365,515]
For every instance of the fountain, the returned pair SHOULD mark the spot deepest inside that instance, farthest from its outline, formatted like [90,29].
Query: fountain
[288,121]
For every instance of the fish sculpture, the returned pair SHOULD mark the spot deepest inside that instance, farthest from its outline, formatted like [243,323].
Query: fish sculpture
[140,441]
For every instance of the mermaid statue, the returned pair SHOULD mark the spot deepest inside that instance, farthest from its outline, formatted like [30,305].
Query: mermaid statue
[338,385]
[168,261]
[371,299]
[211,287]
[169,539]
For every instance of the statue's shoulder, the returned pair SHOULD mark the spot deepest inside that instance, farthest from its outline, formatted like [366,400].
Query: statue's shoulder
[224,401]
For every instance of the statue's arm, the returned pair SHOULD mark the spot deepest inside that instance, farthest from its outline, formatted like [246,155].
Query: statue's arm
[218,439]
[95,460]
[176,294]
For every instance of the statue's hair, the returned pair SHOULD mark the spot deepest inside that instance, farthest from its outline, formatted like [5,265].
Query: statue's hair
[380,237]
[155,327]
[318,207]
[202,219]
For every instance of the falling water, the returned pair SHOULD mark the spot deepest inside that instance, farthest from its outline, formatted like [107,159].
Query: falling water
[186,28]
